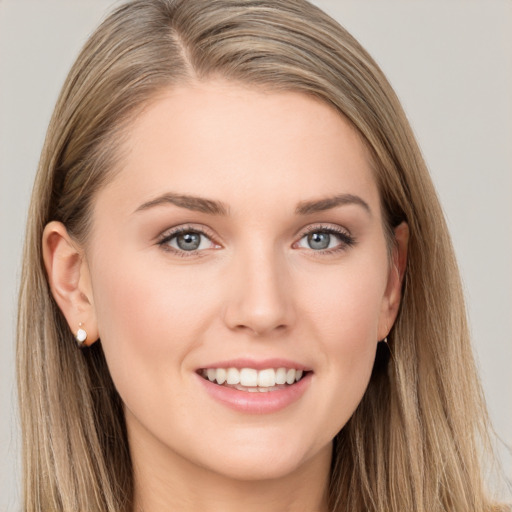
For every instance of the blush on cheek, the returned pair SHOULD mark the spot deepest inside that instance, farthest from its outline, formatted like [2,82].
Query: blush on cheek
[151,317]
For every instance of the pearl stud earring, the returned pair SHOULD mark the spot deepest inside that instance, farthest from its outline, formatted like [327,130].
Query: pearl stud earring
[81,335]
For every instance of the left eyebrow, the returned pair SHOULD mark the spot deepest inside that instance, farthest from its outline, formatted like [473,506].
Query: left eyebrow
[320,205]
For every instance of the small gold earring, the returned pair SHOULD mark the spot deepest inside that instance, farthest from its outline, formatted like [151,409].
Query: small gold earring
[81,335]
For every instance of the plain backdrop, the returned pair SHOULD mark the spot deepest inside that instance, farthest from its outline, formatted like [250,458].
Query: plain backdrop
[451,64]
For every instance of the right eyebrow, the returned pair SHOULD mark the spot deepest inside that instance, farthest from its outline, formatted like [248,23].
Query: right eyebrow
[195,203]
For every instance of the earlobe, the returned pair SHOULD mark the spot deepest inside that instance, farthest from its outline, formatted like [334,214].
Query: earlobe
[395,279]
[69,279]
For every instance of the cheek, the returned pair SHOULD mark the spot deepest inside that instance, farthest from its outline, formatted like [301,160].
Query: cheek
[137,295]
[343,311]
[344,303]
[149,316]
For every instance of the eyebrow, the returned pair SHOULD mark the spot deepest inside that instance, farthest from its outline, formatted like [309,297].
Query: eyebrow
[198,204]
[211,207]
[320,205]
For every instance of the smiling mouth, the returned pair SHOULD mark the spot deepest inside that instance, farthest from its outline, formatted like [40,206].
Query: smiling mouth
[252,380]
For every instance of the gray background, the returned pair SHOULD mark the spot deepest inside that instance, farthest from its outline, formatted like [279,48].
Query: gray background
[451,64]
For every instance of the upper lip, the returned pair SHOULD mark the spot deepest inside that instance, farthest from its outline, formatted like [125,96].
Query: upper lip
[261,364]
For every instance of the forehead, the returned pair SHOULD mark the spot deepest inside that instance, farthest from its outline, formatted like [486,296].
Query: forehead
[235,143]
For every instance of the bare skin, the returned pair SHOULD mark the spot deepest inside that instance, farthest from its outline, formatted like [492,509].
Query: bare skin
[266,268]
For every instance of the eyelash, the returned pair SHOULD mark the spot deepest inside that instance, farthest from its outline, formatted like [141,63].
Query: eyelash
[168,236]
[346,240]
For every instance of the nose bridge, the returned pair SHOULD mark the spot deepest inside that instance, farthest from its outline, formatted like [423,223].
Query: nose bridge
[259,298]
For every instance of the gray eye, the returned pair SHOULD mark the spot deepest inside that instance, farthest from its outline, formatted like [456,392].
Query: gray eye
[319,240]
[189,241]
[186,240]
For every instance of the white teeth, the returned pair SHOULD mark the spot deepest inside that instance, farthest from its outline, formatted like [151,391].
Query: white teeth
[254,389]
[233,376]
[281,376]
[266,378]
[222,375]
[250,379]
[290,376]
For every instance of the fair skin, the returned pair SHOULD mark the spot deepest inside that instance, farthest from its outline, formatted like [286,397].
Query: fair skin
[267,276]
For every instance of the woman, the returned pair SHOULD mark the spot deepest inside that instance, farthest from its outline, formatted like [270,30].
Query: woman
[233,213]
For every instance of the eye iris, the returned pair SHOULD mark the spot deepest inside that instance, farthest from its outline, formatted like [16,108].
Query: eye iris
[319,240]
[188,241]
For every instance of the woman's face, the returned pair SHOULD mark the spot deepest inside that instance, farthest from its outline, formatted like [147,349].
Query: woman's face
[241,239]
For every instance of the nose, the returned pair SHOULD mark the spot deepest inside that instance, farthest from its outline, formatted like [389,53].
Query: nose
[259,300]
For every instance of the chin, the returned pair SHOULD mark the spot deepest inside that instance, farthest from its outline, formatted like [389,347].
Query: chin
[256,469]
[266,461]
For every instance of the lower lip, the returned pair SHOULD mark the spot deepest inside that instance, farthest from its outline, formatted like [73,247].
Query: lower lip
[257,402]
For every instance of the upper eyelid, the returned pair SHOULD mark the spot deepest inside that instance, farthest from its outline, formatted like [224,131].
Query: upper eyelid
[209,231]
[336,228]
[183,228]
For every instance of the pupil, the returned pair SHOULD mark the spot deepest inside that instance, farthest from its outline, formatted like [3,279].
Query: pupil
[319,240]
[189,241]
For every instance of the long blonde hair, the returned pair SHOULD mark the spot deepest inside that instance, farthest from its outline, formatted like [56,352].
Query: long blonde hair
[415,439]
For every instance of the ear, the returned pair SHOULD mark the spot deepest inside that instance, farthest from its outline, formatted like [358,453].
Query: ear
[393,294]
[69,279]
